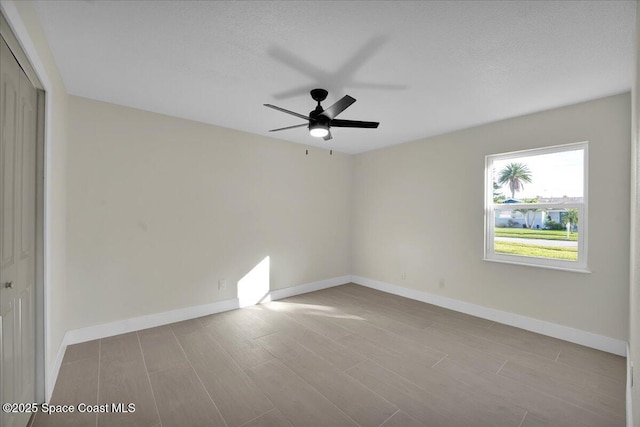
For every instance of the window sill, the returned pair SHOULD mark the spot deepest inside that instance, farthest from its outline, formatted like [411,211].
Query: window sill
[550,267]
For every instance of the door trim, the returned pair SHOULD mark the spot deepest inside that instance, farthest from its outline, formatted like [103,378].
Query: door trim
[15,47]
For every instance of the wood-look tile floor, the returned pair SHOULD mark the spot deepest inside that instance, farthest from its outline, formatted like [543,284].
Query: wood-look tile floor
[344,356]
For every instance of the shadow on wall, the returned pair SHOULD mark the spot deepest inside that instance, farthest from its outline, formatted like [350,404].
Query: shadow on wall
[253,288]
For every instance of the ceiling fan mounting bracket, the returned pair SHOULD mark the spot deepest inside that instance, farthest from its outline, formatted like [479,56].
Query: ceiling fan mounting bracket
[319,94]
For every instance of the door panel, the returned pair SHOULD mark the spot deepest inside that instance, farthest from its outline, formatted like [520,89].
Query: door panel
[9,94]
[28,100]
[26,268]
[10,80]
[18,124]
[8,362]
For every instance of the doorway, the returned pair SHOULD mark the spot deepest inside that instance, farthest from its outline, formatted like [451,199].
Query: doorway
[21,231]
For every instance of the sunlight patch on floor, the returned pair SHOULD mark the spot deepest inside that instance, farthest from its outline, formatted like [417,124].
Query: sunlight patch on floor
[309,310]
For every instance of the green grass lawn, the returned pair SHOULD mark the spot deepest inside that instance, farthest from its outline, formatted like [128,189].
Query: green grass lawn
[525,249]
[528,233]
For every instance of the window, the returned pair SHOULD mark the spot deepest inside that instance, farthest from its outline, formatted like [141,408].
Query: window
[536,207]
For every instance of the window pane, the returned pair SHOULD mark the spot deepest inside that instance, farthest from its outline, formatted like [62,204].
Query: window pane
[550,234]
[551,178]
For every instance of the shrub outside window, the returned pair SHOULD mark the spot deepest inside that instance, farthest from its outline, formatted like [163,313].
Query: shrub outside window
[536,207]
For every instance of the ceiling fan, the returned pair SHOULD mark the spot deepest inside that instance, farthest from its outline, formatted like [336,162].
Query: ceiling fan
[320,120]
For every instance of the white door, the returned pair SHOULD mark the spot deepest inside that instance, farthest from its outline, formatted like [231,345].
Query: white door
[18,100]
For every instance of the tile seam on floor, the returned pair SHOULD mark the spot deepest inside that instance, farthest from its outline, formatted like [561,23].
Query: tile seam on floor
[536,389]
[146,370]
[306,382]
[431,308]
[444,357]
[364,385]
[622,381]
[374,342]
[198,376]
[357,364]
[453,330]
[580,370]
[261,363]
[413,340]
[382,423]
[233,360]
[255,418]
[273,355]
[523,417]
[361,299]
[577,368]
[403,338]
[394,334]
[344,371]
[265,335]
[402,378]
[425,389]
[321,394]
[323,358]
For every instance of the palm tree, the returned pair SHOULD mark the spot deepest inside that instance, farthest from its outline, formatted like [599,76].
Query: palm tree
[515,174]
[571,217]
[498,197]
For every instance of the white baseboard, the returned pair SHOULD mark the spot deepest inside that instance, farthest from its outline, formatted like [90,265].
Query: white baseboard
[105,330]
[588,339]
[566,333]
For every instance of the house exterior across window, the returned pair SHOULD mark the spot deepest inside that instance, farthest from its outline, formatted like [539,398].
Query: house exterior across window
[536,207]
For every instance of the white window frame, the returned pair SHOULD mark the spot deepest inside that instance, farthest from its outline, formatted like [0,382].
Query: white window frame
[490,209]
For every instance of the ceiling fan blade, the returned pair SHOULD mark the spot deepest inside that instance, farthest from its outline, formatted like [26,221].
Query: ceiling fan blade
[338,107]
[328,137]
[353,124]
[289,127]
[287,111]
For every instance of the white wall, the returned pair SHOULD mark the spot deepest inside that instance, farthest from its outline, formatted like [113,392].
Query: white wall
[24,22]
[162,208]
[418,209]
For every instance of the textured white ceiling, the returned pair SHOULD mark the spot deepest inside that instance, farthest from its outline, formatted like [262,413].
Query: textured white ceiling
[420,68]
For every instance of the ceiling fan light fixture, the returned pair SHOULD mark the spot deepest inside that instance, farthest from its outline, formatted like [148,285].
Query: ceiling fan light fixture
[319,130]
[320,120]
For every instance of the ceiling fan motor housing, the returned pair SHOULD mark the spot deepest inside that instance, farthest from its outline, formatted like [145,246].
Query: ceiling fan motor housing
[316,118]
